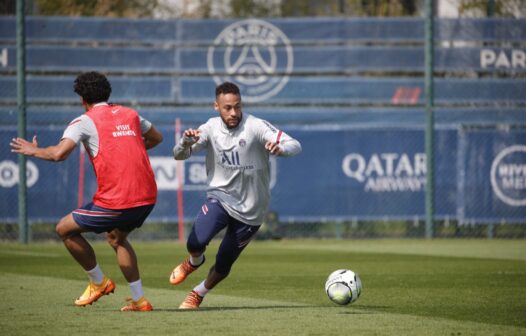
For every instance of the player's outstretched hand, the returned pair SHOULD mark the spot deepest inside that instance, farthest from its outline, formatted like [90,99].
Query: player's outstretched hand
[190,137]
[22,146]
[273,148]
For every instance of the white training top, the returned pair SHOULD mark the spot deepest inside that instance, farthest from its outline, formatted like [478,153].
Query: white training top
[237,163]
[83,129]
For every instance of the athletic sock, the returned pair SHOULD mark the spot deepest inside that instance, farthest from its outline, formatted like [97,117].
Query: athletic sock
[197,261]
[136,290]
[95,275]
[200,289]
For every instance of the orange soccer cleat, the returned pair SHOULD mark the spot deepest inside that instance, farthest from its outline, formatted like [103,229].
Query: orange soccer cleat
[180,273]
[192,301]
[141,305]
[93,292]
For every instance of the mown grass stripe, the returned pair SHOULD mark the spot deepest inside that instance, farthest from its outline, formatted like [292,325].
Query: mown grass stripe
[44,306]
[482,249]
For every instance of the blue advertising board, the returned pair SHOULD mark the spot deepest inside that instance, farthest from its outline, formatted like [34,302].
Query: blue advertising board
[492,183]
[342,173]
[362,173]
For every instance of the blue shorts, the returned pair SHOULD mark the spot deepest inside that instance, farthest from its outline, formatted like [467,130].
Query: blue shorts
[93,218]
[211,219]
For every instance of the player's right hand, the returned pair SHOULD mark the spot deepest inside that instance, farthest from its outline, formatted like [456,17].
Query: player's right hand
[190,137]
[24,147]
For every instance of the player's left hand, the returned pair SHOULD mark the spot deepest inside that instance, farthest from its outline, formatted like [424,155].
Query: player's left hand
[273,148]
[22,146]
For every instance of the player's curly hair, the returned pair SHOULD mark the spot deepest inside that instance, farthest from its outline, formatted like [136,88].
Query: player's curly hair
[93,87]
[227,87]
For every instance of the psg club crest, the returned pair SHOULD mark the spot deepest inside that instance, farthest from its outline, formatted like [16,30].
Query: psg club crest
[255,55]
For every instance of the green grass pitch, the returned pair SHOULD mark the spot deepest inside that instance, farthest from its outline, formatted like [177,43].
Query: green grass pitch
[411,287]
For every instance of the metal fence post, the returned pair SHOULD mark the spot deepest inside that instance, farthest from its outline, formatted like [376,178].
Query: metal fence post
[21,107]
[429,49]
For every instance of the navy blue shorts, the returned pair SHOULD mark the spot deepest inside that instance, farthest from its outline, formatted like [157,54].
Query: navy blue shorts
[211,219]
[96,219]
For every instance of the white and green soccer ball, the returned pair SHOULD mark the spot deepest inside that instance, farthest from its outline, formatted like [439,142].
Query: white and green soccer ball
[343,286]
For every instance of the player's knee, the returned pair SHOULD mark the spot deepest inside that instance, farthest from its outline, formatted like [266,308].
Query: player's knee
[114,240]
[62,229]
[195,246]
[59,230]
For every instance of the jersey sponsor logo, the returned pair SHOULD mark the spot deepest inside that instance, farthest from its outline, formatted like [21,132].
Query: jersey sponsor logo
[230,158]
[253,53]
[508,175]
[123,130]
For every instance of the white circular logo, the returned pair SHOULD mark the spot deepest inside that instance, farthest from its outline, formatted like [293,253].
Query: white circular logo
[248,53]
[508,175]
[9,173]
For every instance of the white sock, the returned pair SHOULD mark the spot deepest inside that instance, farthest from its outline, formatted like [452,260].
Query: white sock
[197,261]
[136,290]
[95,275]
[201,289]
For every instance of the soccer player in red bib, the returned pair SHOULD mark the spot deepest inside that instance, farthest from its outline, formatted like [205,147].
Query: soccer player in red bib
[116,139]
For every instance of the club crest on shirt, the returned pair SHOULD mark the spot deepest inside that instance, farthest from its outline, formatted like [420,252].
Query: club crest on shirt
[242,143]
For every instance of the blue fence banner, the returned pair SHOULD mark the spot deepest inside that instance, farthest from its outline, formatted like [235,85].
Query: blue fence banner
[350,89]
[330,30]
[304,90]
[342,173]
[492,181]
[306,59]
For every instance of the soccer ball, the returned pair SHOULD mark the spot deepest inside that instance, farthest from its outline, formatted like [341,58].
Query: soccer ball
[343,286]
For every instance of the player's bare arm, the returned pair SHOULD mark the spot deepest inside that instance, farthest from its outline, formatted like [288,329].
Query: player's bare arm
[59,152]
[152,138]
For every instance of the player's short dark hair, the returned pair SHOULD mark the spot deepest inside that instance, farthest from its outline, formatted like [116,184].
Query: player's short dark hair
[93,87]
[227,87]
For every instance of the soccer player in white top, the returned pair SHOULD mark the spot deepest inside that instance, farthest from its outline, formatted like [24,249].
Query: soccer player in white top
[237,147]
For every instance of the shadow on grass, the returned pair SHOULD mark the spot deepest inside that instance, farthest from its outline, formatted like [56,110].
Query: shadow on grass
[213,309]
[372,307]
